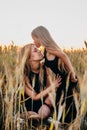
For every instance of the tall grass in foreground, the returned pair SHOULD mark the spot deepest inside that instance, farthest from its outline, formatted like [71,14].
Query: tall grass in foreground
[11,87]
[13,114]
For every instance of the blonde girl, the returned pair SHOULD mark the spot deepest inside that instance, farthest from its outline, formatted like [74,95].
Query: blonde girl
[42,37]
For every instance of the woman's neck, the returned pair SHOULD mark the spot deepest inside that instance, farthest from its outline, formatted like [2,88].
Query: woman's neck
[35,67]
[35,71]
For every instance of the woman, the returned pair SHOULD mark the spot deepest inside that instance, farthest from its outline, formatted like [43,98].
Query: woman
[36,81]
[60,64]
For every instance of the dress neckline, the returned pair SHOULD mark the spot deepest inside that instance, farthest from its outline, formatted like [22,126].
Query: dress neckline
[47,58]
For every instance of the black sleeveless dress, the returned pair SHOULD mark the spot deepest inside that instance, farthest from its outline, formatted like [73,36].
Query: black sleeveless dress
[32,105]
[70,104]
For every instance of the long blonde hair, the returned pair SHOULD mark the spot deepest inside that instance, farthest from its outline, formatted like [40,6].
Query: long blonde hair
[46,39]
[25,54]
[44,36]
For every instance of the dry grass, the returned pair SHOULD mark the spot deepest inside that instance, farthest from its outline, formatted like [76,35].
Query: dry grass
[13,114]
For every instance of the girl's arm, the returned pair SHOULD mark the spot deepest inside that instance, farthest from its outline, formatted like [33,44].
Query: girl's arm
[59,53]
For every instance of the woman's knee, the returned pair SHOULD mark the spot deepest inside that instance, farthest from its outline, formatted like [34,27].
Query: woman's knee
[44,111]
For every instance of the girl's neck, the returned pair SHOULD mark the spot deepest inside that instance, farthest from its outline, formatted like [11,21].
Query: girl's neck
[50,56]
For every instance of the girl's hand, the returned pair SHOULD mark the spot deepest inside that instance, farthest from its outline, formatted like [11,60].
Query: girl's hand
[73,77]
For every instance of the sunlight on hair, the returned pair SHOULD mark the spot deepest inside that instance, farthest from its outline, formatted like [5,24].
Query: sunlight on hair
[42,49]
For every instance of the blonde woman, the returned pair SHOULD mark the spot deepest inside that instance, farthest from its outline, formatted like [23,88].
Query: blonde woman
[35,76]
[60,64]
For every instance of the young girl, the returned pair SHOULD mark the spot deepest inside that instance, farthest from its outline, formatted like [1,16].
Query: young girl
[60,64]
[36,88]
[42,37]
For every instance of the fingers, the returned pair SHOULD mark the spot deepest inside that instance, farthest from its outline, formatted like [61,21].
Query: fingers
[58,78]
[48,71]
[74,80]
[73,77]
[58,81]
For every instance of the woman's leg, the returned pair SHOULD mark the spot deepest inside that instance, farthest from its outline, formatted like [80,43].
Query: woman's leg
[45,110]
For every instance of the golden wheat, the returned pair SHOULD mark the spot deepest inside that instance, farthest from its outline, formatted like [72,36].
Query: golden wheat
[12,87]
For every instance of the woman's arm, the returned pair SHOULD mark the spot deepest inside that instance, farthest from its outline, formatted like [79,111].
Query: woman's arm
[32,94]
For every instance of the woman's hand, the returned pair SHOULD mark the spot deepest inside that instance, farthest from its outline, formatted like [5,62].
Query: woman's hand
[57,82]
[52,79]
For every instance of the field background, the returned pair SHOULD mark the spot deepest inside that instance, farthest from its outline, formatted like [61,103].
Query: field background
[8,63]
[78,58]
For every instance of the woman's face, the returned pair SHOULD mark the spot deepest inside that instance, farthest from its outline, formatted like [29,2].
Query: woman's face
[36,41]
[36,54]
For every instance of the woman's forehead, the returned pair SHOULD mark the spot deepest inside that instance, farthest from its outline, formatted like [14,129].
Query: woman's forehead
[33,46]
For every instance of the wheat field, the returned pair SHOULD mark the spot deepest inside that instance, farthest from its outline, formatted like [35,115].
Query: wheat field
[13,114]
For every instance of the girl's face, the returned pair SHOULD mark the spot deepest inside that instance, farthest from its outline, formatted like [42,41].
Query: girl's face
[36,41]
[36,54]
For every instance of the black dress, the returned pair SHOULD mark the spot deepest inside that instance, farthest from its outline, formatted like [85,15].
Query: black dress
[70,104]
[32,105]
